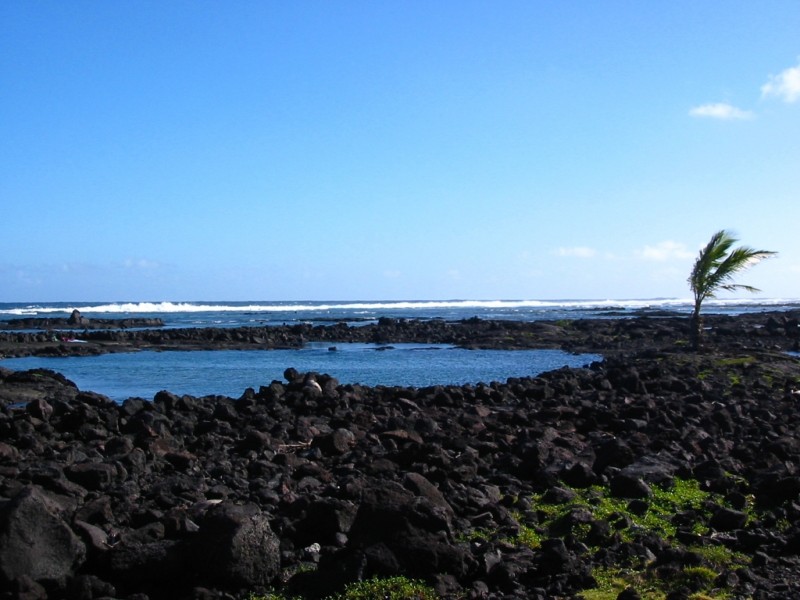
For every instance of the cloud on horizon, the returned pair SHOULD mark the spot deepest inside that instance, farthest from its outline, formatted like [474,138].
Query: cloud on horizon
[785,85]
[577,252]
[720,110]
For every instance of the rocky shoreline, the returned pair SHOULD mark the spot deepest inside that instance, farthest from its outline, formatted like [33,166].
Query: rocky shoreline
[772,330]
[657,473]
[77,321]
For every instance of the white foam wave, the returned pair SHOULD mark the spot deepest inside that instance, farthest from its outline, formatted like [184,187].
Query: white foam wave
[20,312]
[295,307]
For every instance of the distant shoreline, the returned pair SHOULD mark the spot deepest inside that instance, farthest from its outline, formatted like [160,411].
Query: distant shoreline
[777,330]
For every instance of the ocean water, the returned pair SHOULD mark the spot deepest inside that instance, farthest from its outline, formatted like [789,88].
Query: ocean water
[229,373]
[237,314]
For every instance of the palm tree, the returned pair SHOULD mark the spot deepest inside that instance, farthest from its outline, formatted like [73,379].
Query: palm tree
[714,270]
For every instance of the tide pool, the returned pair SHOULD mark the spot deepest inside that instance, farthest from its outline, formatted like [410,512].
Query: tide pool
[230,372]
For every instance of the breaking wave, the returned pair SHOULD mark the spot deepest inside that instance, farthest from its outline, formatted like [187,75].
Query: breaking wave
[415,305]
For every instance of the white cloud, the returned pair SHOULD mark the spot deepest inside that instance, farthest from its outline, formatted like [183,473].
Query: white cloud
[720,110]
[577,251]
[663,251]
[140,263]
[785,85]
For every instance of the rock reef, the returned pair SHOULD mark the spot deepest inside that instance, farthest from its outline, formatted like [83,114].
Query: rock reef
[658,468]
[78,321]
[777,330]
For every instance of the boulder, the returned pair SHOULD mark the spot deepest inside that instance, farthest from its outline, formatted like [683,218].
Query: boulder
[625,485]
[324,520]
[236,548]
[411,530]
[91,475]
[727,519]
[77,319]
[36,542]
[149,564]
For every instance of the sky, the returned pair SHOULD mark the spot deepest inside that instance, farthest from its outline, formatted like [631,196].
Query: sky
[361,150]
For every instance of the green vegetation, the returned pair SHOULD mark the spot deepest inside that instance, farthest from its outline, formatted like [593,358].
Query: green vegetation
[739,361]
[776,372]
[527,536]
[629,523]
[665,502]
[720,556]
[392,588]
[271,596]
[714,270]
[597,519]
[610,582]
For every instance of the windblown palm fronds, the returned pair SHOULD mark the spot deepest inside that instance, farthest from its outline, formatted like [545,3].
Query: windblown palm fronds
[714,270]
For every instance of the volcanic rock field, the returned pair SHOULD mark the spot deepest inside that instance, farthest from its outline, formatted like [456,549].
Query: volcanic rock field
[659,472]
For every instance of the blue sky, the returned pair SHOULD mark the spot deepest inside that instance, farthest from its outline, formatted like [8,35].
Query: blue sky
[408,150]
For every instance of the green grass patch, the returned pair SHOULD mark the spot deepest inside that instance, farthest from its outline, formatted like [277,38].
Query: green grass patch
[720,557]
[662,506]
[391,588]
[739,361]
[377,588]
[474,535]
[595,504]
[528,536]
[610,582]
[272,596]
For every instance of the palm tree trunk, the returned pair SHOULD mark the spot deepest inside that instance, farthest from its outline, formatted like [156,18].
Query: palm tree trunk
[696,332]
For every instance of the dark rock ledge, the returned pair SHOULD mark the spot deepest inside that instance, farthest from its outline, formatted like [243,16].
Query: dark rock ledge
[78,321]
[776,331]
[306,484]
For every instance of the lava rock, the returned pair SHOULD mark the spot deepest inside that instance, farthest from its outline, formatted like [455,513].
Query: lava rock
[36,542]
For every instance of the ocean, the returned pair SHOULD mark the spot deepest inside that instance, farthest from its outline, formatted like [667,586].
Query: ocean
[229,373]
[236,314]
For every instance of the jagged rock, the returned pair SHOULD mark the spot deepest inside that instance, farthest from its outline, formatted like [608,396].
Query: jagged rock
[411,528]
[727,519]
[35,541]
[91,475]
[555,557]
[76,319]
[236,548]
[338,441]
[625,485]
[324,520]
[157,564]
[629,593]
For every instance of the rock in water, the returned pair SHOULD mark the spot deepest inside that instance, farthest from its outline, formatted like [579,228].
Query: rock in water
[77,319]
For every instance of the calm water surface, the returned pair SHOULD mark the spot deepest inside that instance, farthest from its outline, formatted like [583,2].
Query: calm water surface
[230,372]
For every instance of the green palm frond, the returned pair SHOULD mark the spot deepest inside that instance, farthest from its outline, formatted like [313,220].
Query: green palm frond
[715,268]
[717,265]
